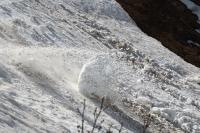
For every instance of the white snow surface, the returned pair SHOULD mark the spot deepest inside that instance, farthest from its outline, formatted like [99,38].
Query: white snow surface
[56,53]
[97,77]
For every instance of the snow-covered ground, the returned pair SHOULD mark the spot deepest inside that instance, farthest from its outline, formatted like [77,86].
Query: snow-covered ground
[56,53]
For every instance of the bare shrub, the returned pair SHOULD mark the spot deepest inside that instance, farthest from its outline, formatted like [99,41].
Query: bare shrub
[97,115]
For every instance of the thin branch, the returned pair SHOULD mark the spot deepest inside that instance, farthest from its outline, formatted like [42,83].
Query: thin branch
[109,129]
[97,114]
[82,116]
[147,122]
[121,126]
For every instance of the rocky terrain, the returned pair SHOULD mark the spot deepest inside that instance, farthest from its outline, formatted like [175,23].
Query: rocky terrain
[171,22]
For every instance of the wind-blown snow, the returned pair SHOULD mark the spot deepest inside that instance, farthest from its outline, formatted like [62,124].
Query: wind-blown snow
[98,78]
[55,54]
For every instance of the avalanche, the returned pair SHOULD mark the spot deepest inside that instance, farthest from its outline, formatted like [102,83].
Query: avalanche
[55,54]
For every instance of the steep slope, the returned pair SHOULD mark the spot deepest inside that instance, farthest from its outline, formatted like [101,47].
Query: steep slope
[171,22]
[51,52]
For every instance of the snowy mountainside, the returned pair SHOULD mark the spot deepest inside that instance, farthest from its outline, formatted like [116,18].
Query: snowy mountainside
[52,51]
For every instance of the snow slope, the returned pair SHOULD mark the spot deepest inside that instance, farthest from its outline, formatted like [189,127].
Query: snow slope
[55,54]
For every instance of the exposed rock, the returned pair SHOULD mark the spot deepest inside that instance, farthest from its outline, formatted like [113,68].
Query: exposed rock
[170,22]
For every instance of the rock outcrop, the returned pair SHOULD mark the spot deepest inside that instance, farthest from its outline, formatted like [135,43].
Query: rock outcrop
[170,22]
